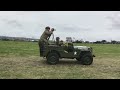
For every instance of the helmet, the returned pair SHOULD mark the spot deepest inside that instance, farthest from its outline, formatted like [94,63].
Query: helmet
[47,27]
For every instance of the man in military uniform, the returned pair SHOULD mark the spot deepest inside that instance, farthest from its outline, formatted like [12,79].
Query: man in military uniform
[44,39]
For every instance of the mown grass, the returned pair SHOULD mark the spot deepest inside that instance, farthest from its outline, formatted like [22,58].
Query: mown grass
[20,60]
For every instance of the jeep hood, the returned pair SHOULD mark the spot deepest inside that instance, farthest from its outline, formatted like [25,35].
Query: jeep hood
[85,48]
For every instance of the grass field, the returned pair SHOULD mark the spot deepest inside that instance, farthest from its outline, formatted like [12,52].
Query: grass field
[20,60]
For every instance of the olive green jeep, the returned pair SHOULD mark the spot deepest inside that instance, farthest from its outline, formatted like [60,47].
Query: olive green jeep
[57,50]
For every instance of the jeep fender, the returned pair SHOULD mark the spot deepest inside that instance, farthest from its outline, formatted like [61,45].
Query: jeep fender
[54,52]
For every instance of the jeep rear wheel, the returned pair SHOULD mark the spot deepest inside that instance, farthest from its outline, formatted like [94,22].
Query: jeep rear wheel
[52,58]
[86,59]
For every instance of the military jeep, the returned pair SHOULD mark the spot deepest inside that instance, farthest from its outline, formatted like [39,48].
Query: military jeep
[56,51]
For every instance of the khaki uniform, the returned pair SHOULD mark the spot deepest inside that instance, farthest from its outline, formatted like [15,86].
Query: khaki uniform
[45,36]
[44,40]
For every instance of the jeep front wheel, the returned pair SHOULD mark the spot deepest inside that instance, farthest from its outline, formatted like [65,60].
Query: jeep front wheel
[86,59]
[52,58]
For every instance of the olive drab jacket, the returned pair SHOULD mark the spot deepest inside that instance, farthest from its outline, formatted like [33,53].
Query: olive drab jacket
[44,37]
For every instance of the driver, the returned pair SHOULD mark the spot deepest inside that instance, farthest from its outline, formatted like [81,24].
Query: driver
[44,38]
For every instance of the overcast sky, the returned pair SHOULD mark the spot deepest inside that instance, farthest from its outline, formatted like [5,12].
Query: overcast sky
[86,25]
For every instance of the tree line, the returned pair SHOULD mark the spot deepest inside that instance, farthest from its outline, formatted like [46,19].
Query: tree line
[98,42]
[5,38]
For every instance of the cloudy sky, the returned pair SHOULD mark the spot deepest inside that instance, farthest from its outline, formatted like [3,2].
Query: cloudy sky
[86,25]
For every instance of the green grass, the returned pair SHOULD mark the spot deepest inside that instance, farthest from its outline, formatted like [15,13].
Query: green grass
[20,60]
[15,48]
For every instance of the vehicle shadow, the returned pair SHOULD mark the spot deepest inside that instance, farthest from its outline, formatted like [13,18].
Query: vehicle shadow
[64,62]
[67,61]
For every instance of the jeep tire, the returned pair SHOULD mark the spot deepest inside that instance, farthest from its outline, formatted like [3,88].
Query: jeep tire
[52,58]
[86,59]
